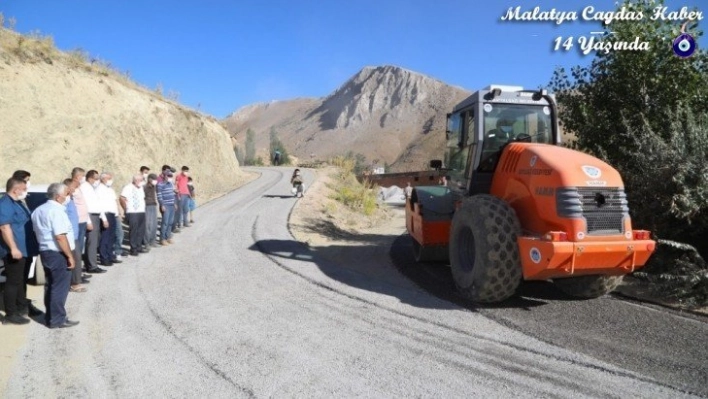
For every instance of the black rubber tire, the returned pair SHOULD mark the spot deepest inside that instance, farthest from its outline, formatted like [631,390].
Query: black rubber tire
[588,287]
[484,254]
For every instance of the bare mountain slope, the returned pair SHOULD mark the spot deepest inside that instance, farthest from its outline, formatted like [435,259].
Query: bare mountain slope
[59,110]
[387,113]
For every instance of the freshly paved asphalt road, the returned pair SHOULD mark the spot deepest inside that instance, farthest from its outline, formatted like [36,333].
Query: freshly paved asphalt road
[237,308]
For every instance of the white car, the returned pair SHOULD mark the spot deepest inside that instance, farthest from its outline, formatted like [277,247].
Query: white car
[36,196]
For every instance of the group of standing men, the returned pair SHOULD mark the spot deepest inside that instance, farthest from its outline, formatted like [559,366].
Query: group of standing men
[81,221]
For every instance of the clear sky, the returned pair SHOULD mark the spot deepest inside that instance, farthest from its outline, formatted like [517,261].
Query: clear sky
[220,55]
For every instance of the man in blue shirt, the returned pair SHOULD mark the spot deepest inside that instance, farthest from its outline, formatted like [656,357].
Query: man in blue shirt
[56,243]
[13,248]
[32,248]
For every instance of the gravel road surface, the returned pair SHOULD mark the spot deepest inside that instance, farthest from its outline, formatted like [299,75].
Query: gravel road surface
[237,308]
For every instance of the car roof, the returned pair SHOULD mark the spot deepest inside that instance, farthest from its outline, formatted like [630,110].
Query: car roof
[34,188]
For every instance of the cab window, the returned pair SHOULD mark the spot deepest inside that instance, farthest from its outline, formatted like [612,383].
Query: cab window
[461,127]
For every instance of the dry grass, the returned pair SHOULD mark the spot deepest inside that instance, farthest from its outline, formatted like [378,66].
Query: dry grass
[36,47]
[348,191]
[32,48]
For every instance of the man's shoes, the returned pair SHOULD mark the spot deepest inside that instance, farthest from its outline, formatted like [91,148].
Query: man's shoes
[86,276]
[125,253]
[33,311]
[85,280]
[15,319]
[30,310]
[96,270]
[154,244]
[164,243]
[143,250]
[133,253]
[67,323]
[169,241]
[107,264]
[117,261]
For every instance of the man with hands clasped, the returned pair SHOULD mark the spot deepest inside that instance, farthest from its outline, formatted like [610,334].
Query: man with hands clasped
[55,235]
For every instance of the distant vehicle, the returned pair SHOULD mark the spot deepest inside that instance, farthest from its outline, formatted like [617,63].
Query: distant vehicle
[36,196]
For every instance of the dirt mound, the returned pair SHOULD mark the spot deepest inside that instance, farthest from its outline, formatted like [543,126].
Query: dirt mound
[62,110]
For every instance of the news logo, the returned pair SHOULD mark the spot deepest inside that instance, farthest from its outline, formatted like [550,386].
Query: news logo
[684,45]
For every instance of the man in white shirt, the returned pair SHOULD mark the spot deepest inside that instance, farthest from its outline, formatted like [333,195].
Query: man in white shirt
[109,206]
[132,199]
[55,235]
[96,219]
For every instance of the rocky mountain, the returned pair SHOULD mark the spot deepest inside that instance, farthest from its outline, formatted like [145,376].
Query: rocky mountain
[389,114]
[60,110]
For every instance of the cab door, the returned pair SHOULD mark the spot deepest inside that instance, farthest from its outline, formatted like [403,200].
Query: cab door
[460,148]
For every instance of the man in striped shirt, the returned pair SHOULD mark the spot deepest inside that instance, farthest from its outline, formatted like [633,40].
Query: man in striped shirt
[166,197]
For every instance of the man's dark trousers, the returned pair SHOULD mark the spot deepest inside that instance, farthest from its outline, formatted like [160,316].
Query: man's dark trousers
[92,239]
[14,293]
[136,221]
[108,239]
[56,287]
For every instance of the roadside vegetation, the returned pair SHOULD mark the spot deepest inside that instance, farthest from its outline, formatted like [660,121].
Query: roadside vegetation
[360,197]
[646,114]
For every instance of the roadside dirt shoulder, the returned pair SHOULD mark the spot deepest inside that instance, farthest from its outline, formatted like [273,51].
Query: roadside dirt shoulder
[322,223]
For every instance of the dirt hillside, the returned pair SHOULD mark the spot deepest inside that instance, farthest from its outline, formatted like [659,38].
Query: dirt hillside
[60,110]
[389,114]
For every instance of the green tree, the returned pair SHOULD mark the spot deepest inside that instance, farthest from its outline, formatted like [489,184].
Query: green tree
[644,112]
[359,159]
[240,155]
[250,156]
[277,145]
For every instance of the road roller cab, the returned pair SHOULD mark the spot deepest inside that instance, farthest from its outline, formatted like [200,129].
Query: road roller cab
[518,205]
